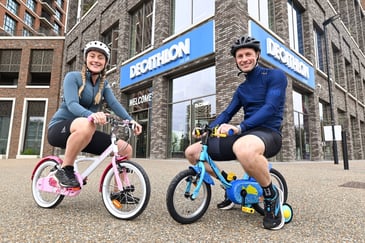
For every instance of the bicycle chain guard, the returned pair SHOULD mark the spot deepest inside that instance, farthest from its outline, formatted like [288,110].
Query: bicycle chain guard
[252,188]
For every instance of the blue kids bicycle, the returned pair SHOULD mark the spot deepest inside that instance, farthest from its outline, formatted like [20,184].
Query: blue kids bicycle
[189,193]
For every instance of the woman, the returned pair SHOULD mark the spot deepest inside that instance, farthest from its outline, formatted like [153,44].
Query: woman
[70,128]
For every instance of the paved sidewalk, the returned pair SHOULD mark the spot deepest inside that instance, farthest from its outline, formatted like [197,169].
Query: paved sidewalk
[328,203]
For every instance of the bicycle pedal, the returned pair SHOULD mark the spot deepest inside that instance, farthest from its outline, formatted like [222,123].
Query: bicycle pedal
[117,204]
[248,210]
[73,189]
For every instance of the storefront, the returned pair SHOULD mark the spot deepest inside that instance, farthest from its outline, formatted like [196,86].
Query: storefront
[191,95]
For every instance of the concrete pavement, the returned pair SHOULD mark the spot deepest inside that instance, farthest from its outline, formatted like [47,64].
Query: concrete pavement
[328,203]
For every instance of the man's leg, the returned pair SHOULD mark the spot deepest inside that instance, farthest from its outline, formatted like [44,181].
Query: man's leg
[249,151]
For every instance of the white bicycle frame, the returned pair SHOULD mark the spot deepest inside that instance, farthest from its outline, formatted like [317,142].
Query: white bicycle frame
[44,183]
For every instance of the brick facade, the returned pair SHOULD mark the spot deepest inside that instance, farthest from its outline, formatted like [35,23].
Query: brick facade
[22,92]
[231,21]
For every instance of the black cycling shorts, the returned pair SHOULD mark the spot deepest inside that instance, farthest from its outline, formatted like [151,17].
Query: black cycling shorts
[59,133]
[220,149]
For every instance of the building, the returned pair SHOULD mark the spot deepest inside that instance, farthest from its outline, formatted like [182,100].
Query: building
[171,63]
[33,18]
[30,79]
[31,50]
[171,60]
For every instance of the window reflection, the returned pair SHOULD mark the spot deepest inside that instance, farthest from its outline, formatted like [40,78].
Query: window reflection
[193,104]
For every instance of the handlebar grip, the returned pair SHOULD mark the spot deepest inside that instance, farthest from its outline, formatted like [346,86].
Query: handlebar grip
[198,131]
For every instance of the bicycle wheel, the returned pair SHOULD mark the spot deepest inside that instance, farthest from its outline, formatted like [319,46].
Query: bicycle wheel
[133,200]
[45,199]
[181,207]
[277,180]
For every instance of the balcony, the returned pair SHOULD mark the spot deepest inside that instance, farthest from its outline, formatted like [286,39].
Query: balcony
[45,18]
[47,6]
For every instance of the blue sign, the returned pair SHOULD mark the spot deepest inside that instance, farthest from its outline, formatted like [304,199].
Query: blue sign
[282,57]
[197,43]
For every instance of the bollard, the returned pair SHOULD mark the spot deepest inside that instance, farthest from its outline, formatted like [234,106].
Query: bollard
[344,151]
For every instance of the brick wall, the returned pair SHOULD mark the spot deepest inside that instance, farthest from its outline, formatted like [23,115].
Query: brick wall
[22,92]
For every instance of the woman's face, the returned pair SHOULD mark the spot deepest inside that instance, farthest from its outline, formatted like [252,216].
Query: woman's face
[246,59]
[95,61]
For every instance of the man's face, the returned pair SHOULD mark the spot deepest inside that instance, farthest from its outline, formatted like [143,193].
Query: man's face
[246,59]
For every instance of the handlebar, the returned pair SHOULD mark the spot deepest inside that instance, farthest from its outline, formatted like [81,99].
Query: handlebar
[198,131]
[116,122]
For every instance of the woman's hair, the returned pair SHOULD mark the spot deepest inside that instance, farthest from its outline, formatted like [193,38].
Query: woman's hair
[97,98]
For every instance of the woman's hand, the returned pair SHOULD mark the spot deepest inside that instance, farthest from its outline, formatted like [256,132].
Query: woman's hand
[137,127]
[99,118]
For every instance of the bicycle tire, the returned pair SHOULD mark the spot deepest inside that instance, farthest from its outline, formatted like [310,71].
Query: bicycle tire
[277,180]
[124,208]
[42,198]
[180,206]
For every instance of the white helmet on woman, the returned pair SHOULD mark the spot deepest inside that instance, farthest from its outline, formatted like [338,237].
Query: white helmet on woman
[97,46]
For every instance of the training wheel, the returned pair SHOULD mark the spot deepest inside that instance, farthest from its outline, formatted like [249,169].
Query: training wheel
[288,213]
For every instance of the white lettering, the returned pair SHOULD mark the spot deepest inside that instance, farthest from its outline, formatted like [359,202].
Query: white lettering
[140,99]
[167,55]
[279,53]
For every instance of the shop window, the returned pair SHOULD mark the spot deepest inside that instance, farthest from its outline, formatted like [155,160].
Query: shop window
[263,12]
[193,104]
[319,48]
[362,127]
[295,27]
[40,67]
[141,28]
[110,38]
[34,128]
[189,12]
[325,120]
[301,126]
[5,115]
[9,66]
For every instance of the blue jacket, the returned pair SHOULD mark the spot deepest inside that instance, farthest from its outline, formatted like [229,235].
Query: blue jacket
[73,106]
[262,96]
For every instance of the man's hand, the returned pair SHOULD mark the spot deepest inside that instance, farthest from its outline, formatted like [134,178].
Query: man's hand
[226,128]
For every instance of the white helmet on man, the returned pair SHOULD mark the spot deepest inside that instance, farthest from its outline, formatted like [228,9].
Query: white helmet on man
[97,46]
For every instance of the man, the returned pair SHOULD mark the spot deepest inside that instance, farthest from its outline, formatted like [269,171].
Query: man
[258,136]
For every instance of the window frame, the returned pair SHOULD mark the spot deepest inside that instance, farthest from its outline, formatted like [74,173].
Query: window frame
[141,27]
[295,27]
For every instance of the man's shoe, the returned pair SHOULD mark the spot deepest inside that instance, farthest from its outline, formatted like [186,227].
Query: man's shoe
[274,217]
[124,197]
[226,204]
[66,179]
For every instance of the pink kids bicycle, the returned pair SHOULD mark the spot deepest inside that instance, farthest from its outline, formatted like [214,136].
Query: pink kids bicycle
[124,184]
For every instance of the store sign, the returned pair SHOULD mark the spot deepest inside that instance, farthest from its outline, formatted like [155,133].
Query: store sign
[140,100]
[282,57]
[197,43]
[179,50]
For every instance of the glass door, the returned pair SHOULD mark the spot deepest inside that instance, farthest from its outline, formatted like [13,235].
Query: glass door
[141,148]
